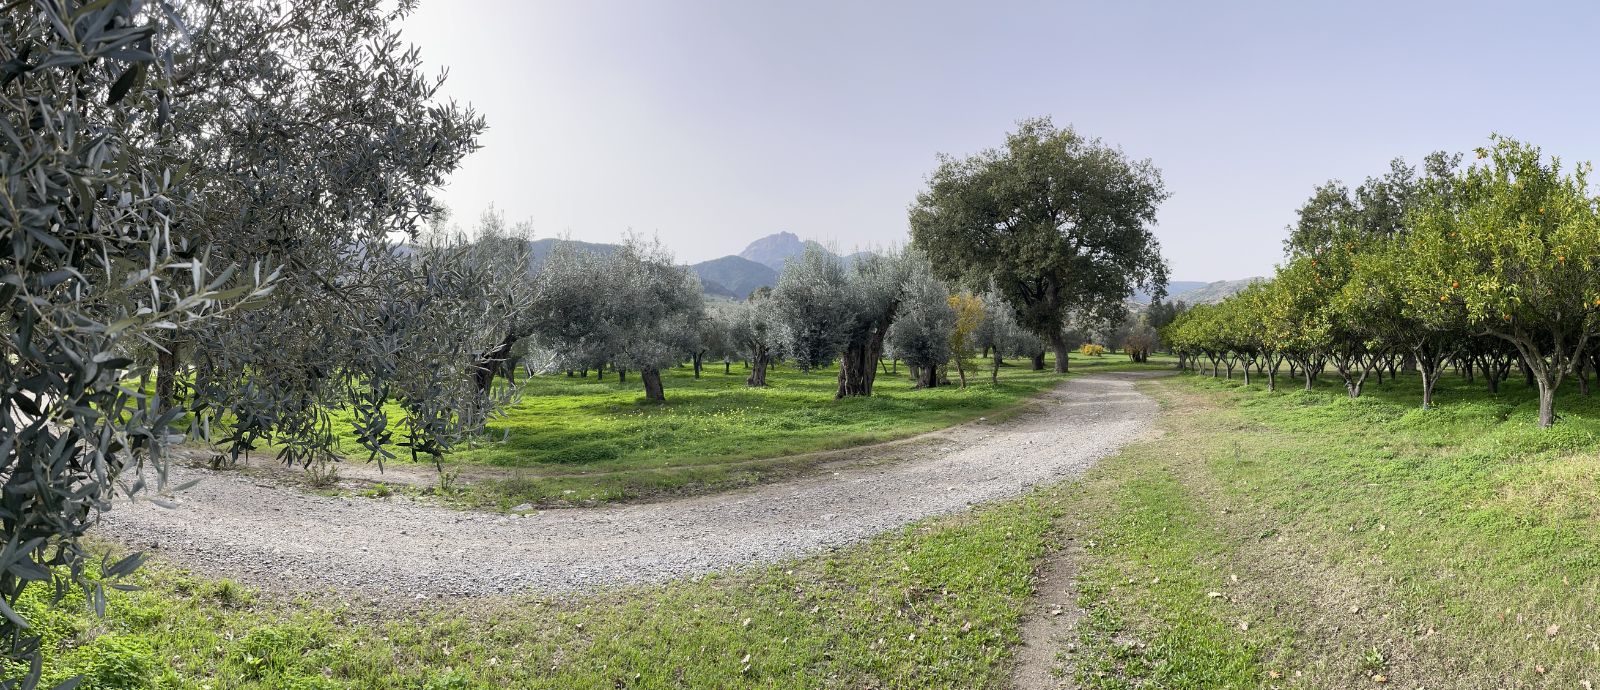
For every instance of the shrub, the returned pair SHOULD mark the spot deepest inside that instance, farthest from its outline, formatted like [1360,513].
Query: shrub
[1092,349]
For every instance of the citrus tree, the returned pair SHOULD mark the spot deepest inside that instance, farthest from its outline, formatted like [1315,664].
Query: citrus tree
[1515,247]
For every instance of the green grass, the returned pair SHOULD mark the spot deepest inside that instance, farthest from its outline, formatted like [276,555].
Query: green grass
[584,441]
[1352,542]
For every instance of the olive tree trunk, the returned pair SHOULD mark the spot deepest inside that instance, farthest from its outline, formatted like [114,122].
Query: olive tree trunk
[858,366]
[652,384]
[167,373]
[758,370]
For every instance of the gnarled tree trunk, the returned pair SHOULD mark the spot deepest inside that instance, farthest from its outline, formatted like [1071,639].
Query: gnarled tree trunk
[758,369]
[490,362]
[858,366]
[652,384]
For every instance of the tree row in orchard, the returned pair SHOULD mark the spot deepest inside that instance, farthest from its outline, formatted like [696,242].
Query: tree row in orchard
[1488,264]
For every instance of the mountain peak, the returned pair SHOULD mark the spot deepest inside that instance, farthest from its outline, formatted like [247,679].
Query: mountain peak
[775,249]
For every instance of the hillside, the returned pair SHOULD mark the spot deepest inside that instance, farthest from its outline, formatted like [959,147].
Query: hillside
[734,276]
[1198,292]
[1173,288]
[542,249]
[1209,293]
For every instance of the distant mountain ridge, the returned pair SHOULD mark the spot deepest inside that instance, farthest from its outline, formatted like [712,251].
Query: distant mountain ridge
[1196,292]
[737,275]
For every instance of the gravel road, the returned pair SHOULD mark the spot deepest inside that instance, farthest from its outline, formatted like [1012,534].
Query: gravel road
[272,536]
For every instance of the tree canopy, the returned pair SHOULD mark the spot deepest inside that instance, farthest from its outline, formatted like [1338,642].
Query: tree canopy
[1058,223]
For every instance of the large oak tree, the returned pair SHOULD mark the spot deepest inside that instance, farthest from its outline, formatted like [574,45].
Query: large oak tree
[1060,223]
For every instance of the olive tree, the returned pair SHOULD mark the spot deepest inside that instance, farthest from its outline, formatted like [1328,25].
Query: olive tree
[655,306]
[436,321]
[633,308]
[220,178]
[1139,339]
[812,301]
[90,269]
[1001,335]
[922,328]
[1059,223]
[569,313]
[710,339]
[755,333]
[312,136]
[499,258]
[838,313]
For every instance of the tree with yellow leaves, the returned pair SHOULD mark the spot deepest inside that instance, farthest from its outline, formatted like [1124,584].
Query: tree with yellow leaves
[964,338]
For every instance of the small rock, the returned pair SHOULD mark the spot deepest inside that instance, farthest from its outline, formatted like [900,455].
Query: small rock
[522,508]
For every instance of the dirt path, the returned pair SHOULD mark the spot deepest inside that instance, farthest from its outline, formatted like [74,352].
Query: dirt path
[1050,625]
[265,534]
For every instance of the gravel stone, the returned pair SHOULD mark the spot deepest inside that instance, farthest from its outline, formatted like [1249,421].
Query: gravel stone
[229,525]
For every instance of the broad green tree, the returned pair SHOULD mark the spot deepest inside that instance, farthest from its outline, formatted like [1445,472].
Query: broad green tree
[1295,319]
[1516,246]
[1060,224]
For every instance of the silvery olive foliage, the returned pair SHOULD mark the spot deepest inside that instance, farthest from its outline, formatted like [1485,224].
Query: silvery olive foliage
[1001,335]
[876,284]
[212,185]
[811,300]
[838,313]
[569,312]
[634,308]
[439,328]
[316,142]
[923,324]
[92,266]
[756,334]
[710,337]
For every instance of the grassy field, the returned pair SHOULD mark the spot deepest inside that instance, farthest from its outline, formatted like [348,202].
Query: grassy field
[1302,539]
[1291,539]
[584,441]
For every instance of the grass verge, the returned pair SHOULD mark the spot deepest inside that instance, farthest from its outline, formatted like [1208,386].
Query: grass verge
[1303,539]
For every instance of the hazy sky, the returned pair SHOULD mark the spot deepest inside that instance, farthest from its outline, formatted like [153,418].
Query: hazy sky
[713,123]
